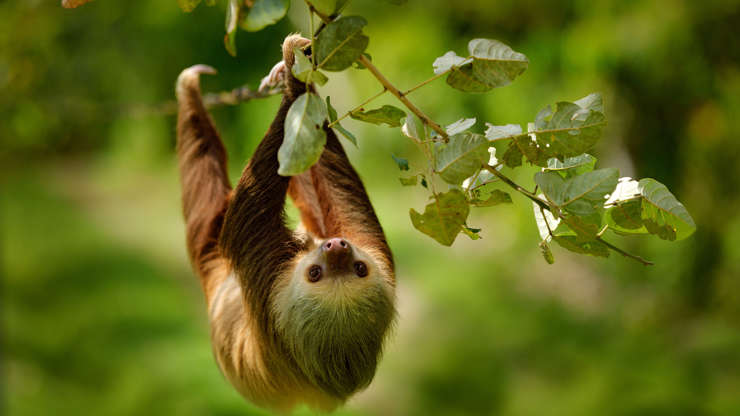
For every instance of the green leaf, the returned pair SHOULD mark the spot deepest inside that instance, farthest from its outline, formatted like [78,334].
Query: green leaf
[444,217]
[662,214]
[341,43]
[495,133]
[462,78]
[461,157]
[592,102]
[338,127]
[397,2]
[546,252]
[571,166]
[414,128]
[460,126]
[186,5]
[646,207]
[402,163]
[233,10]
[326,7]
[568,131]
[346,133]
[445,62]
[387,114]
[494,63]
[624,208]
[409,181]
[305,136]
[495,197]
[302,67]
[264,13]
[583,194]
[594,248]
[473,233]
[500,138]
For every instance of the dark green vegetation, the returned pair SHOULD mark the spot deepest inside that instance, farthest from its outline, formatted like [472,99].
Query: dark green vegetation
[101,313]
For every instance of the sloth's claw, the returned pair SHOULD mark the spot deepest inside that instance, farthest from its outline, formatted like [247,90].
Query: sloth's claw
[275,78]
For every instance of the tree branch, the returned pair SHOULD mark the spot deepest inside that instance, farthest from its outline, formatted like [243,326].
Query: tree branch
[214,99]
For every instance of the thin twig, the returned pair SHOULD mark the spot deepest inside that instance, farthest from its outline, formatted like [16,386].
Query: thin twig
[624,253]
[520,189]
[359,107]
[214,99]
[423,83]
[401,97]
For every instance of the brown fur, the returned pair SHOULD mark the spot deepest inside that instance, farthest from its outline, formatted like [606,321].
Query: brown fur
[244,253]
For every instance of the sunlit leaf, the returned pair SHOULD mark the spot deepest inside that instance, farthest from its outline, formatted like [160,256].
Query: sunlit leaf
[645,207]
[232,19]
[461,157]
[495,63]
[592,101]
[387,114]
[341,43]
[414,128]
[582,194]
[507,131]
[264,13]
[444,217]
[571,166]
[304,135]
[624,208]
[402,163]
[662,214]
[540,216]
[447,61]
[460,126]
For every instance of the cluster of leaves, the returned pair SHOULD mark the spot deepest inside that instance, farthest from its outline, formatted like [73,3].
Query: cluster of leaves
[576,205]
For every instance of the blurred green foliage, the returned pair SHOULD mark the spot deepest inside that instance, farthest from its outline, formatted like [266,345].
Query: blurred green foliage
[101,313]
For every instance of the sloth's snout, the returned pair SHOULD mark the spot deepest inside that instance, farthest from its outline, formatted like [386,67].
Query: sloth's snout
[338,253]
[335,244]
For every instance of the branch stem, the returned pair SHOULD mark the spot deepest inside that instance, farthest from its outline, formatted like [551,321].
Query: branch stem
[423,83]
[624,253]
[401,97]
[359,107]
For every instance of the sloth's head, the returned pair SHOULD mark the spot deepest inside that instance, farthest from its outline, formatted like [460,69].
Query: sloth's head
[333,311]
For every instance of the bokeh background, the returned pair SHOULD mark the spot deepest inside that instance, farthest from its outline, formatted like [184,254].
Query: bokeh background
[101,313]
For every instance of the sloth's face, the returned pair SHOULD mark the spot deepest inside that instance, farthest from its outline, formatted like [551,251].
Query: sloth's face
[336,271]
[333,311]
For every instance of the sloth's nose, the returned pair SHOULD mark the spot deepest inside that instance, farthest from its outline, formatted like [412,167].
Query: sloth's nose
[337,253]
[335,245]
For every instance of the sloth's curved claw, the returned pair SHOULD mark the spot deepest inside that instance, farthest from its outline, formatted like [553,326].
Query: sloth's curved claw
[189,77]
[275,78]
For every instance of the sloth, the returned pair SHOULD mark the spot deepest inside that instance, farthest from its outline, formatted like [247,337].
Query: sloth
[296,316]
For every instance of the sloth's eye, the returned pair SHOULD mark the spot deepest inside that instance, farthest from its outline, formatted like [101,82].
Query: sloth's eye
[314,273]
[360,269]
